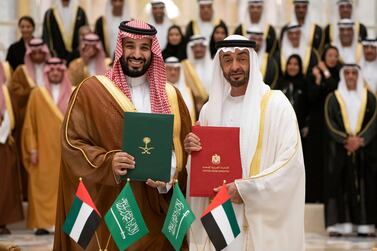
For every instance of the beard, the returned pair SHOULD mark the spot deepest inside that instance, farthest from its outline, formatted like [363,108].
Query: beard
[242,78]
[131,72]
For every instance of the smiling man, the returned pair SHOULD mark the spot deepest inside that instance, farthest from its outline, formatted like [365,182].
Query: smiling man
[350,49]
[256,17]
[368,63]
[345,10]
[293,42]
[269,199]
[160,20]
[92,137]
[350,164]
[302,14]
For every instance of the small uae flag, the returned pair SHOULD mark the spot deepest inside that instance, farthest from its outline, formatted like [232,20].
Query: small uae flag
[219,220]
[83,217]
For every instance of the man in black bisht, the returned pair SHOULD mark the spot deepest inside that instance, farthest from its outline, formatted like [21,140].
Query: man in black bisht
[351,161]
[61,26]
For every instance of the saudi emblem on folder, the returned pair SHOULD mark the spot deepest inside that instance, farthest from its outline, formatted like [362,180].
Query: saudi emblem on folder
[148,137]
[146,149]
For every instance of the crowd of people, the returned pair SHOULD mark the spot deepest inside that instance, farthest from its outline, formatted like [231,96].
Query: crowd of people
[326,73]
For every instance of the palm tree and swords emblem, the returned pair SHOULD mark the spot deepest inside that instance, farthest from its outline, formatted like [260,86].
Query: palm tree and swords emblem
[146,149]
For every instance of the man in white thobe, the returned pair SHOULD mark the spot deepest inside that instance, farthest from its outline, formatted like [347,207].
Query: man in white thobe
[116,11]
[175,75]
[293,42]
[269,199]
[205,23]
[160,20]
[350,49]
[368,63]
[199,56]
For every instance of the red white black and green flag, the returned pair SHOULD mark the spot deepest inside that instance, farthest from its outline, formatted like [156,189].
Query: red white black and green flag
[219,220]
[83,217]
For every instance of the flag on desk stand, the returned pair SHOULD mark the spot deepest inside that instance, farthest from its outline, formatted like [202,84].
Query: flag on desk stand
[219,220]
[178,219]
[83,217]
[124,219]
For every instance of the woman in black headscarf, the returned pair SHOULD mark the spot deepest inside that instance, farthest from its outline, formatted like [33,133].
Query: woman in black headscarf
[326,74]
[294,86]
[220,32]
[17,50]
[323,80]
[176,46]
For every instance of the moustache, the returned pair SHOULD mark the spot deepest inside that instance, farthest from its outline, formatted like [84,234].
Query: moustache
[238,71]
[137,59]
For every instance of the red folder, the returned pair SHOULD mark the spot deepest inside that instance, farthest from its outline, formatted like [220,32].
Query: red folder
[218,160]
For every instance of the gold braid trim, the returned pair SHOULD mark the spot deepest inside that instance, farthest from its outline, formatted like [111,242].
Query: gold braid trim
[174,107]
[67,124]
[46,95]
[363,107]
[327,119]
[255,163]
[371,121]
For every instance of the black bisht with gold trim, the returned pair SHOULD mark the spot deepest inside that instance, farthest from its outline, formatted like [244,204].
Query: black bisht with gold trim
[148,137]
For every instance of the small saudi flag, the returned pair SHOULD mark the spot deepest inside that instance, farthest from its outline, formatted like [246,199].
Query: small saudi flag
[124,219]
[178,220]
[83,217]
[219,220]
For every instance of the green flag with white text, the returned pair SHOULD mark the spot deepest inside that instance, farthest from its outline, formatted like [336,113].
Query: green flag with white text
[178,220]
[124,219]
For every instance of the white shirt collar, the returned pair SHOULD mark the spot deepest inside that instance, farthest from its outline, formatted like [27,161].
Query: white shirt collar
[139,88]
[55,92]
[133,82]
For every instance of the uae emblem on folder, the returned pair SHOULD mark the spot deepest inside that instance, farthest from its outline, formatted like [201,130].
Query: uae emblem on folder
[216,159]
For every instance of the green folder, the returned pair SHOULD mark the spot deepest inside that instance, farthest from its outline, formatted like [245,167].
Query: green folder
[148,137]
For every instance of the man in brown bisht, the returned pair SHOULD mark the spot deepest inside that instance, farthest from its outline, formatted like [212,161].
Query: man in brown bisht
[10,199]
[6,72]
[25,78]
[29,75]
[92,60]
[92,137]
[41,144]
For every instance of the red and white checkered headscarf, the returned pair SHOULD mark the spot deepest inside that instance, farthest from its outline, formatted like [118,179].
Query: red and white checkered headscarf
[65,85]
[156,72]
[34,44]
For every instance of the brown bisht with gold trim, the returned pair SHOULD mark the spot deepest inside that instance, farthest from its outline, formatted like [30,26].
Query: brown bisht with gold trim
[92,134]
[10,199]
[22,84]
[40,132]
[88,146]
